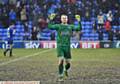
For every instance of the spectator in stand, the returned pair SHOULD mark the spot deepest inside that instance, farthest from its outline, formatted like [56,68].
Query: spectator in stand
[24,18]
[116,16]
[34,33]
[117,34]
[29,12]
[18,4]
[52,9]
[36,14]
[87,13]
[5,18]
[12,16]
[100,19]
[107,26]
[108,30]
[71,1]
[100,23]
[18,9]
[94,24]
[104,4]
[26,36]
[42,23]
[52,35]
[110,16]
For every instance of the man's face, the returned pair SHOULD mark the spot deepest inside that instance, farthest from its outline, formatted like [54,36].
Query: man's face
[64,19]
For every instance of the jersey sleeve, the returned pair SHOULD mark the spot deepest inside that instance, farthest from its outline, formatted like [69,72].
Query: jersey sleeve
[53,26]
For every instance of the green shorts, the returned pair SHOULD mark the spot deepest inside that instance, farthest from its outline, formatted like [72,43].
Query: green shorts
[64,52]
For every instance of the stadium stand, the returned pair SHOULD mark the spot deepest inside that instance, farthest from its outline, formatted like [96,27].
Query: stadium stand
[37,9]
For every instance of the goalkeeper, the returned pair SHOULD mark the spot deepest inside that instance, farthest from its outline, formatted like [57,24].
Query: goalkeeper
[64,32]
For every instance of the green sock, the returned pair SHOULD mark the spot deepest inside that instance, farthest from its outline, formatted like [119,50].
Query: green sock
[61,68]
[67,66]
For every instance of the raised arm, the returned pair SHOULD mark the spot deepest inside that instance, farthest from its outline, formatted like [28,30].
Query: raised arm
[51,25]
[77,25]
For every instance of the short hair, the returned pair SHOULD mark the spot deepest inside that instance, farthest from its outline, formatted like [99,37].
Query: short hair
[63,15]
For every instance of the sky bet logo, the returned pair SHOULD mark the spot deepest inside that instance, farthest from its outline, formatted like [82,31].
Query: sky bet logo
[32,44]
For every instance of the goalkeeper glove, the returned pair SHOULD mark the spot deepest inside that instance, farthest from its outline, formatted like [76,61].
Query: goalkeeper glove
[52,16]
[77,17]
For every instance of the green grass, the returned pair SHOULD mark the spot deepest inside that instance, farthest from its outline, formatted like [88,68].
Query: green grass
[89,66]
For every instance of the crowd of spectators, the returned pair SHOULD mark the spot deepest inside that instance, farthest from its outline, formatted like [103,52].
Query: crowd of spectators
[104,12]
[104,24]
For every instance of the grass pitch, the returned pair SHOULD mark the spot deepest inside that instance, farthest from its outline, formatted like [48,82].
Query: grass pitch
[89,66]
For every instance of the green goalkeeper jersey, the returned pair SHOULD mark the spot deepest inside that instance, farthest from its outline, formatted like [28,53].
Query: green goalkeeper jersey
[64,32]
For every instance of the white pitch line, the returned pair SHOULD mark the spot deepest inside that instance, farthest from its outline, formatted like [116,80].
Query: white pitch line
[22,58]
